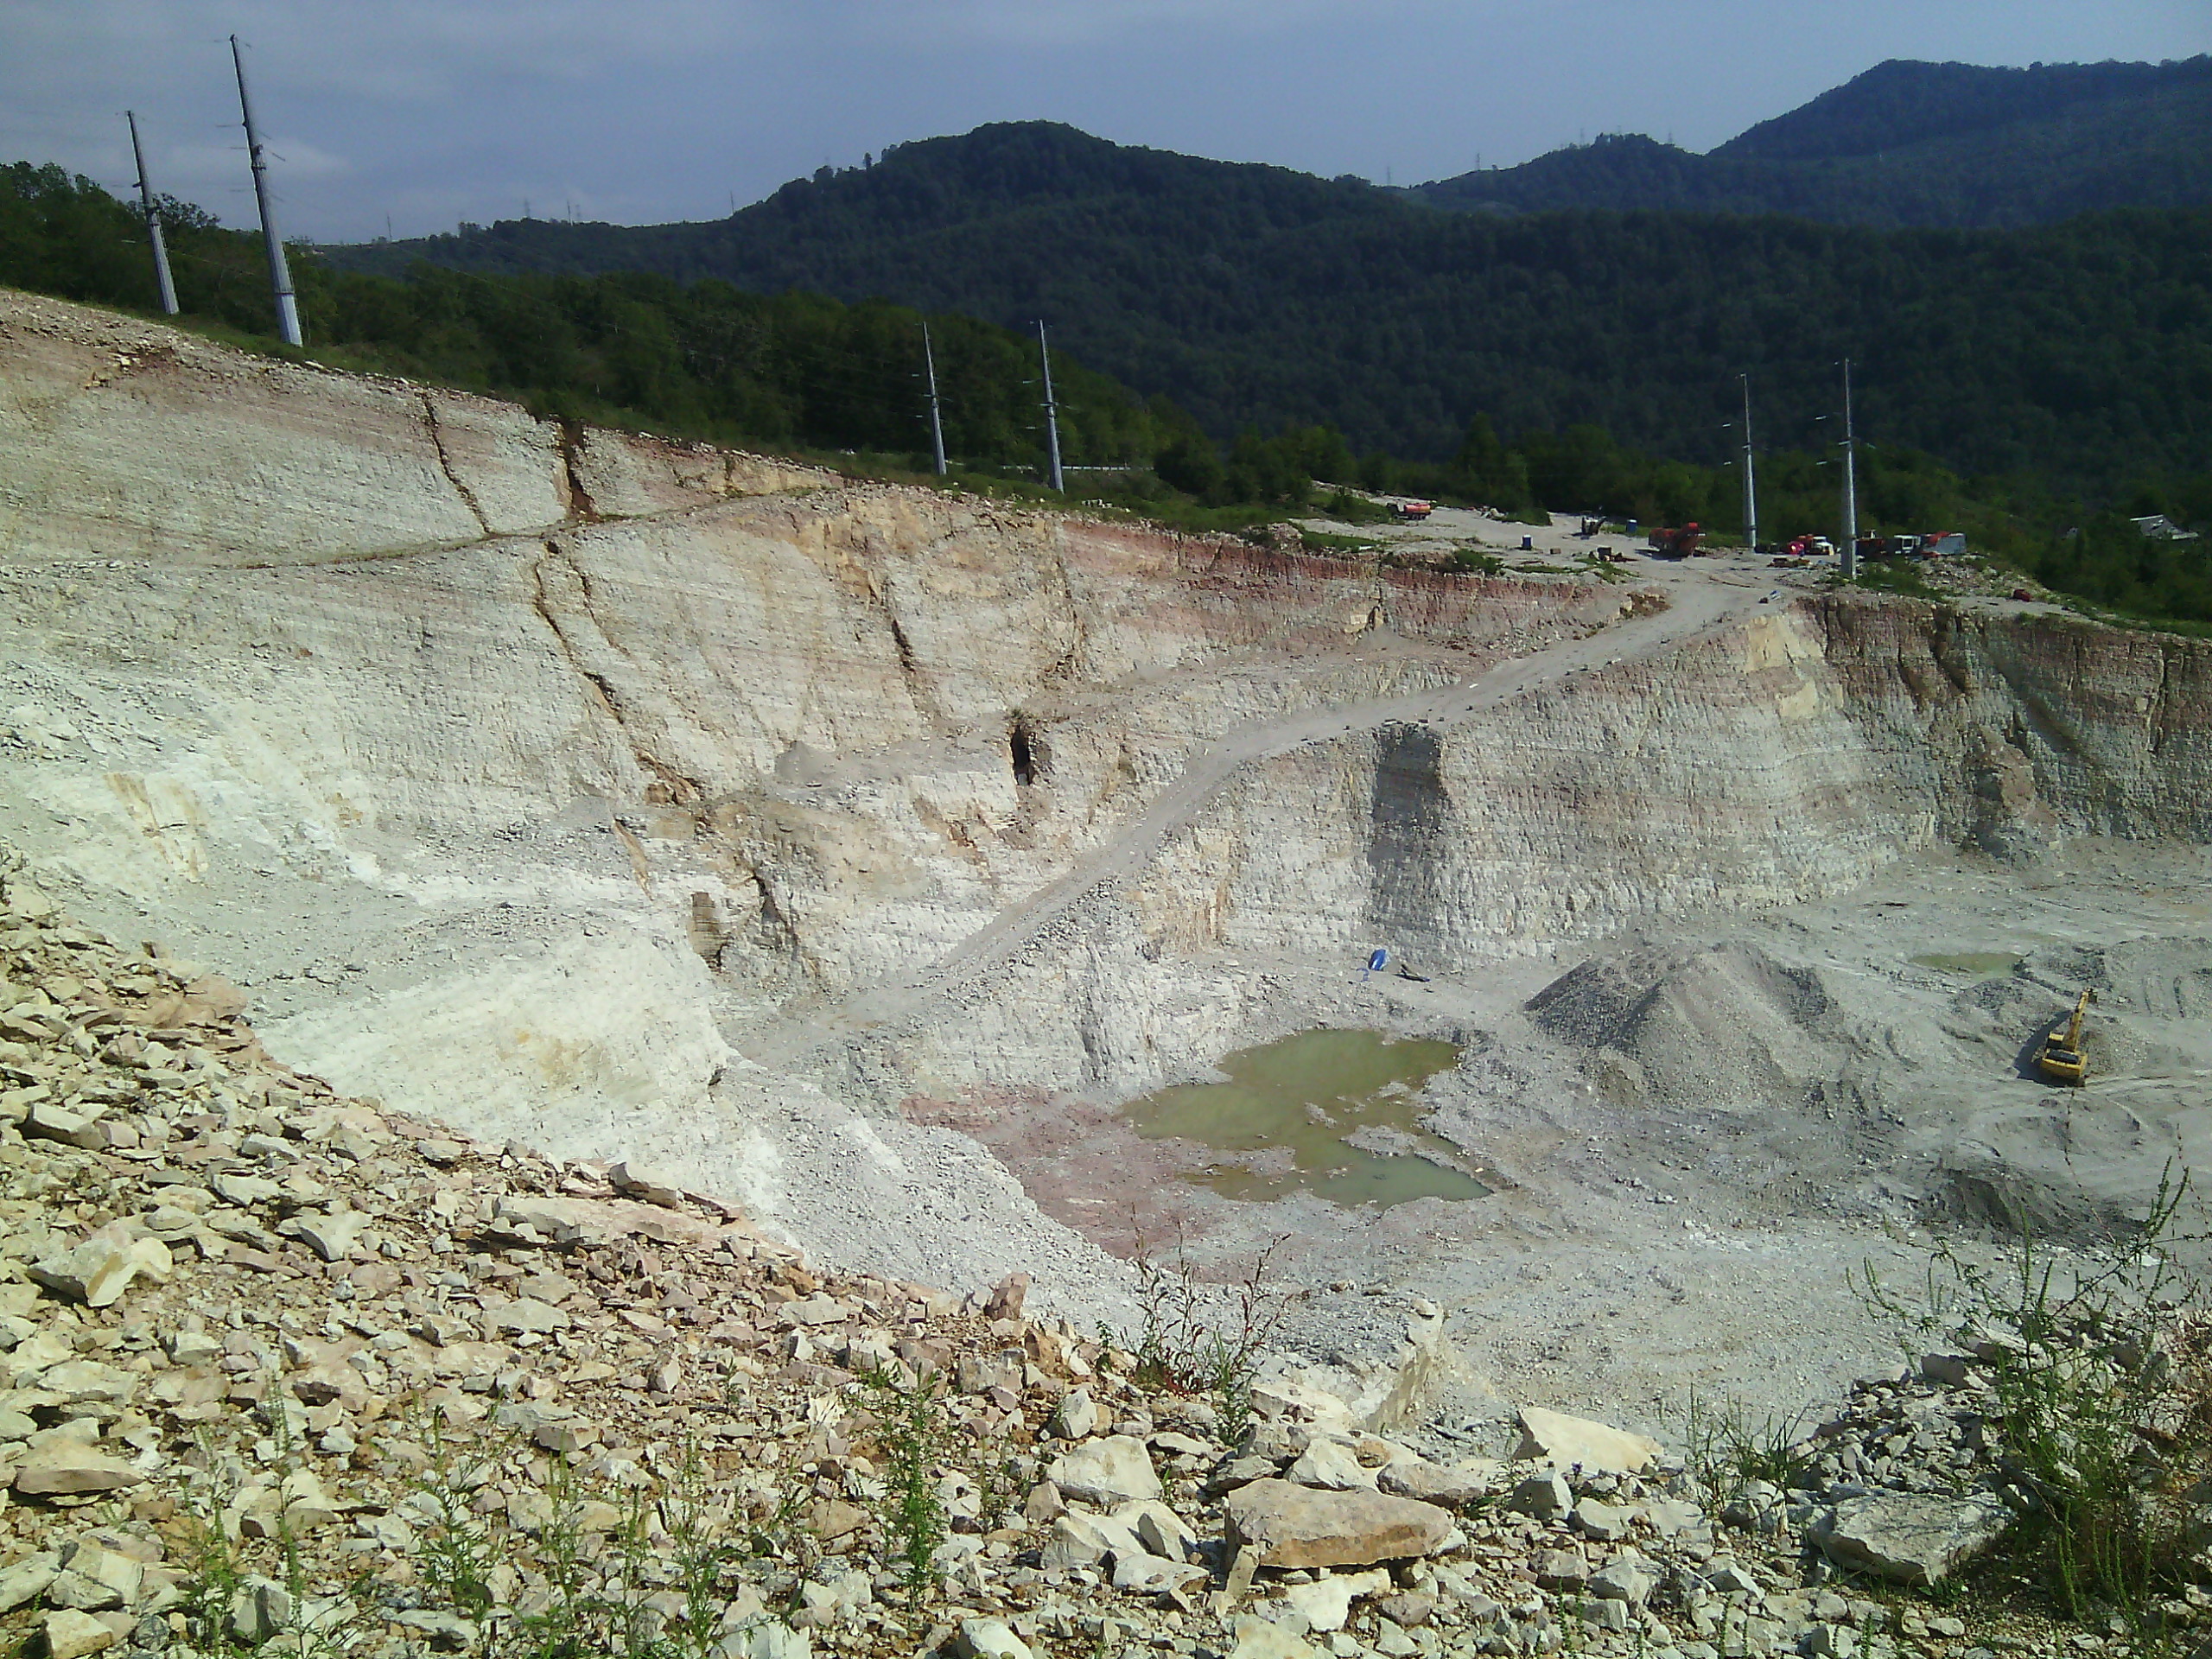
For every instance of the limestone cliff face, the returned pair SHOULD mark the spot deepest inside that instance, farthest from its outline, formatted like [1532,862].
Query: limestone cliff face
[371,688]
[128,440]
[2019,730]
[435,723]
[1789,758]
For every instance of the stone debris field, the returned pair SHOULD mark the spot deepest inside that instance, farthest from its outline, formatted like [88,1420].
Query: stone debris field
[288,1372]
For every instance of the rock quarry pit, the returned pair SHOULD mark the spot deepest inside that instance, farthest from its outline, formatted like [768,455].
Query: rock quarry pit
[855,852]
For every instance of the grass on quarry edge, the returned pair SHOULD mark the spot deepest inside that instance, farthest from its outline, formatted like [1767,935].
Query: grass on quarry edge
[2099,1356]
[1902,579]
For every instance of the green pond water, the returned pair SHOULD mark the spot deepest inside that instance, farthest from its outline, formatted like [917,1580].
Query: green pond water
[1982,964]
[1303,1095]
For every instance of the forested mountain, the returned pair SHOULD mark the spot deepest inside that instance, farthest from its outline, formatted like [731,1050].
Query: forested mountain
[1902,102]
[628,348]
[1255,295]
[1945,145]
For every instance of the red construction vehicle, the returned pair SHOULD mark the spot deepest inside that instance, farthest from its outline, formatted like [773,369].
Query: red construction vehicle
[1413,509]
[1677,543]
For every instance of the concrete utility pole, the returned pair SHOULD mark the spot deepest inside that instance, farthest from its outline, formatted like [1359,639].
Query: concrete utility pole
[1750,486]
[937,417]
[161,279]
[1850,481]
[1052,410]
[280,274]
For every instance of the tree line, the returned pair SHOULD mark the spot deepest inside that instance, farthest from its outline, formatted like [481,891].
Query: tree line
[799,370]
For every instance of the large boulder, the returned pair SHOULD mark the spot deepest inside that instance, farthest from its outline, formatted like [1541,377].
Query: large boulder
[1262,1638]
[1325,1604]
[1545,1497]
[1080,1540]
[69,1468]
[1301,1525]
[1436,1483]
[1913,1537]
[1330,1465]
[989,1638]
[530,1219]
[99,1271]
[72,1635]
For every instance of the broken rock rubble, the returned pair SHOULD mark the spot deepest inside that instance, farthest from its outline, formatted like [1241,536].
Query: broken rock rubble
[341,1333]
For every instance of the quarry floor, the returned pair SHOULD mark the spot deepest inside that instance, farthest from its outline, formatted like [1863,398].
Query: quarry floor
[1631,1261]
[1636,1258]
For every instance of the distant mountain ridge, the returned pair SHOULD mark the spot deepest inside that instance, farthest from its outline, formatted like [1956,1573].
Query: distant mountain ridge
[1903,102]
[1258,296]
[1936,145]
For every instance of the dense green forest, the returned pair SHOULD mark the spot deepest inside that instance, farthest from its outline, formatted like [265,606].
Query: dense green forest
[799,370]
[2079,352]
[704,359]
[1903,102]
[1937,145]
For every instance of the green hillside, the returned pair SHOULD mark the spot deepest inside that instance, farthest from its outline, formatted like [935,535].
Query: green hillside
[1902,103]
[708,359]
[703,360]
[2081,352]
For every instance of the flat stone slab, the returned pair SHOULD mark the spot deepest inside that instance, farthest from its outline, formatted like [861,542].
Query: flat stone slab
[1567,1442]
[1113,1470]
[69,1470]
[527,1218]
[1912,1537]
[1302,1526]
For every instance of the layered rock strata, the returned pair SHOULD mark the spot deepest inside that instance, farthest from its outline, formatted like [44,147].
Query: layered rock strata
[546,776]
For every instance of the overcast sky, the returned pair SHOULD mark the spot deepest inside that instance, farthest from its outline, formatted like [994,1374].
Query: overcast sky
[430,112]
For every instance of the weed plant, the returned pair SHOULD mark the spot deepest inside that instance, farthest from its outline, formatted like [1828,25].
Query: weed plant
[1900,576]
[1202,1337]
[1481,564]
[653,1584]
[2100,1362]
[914,1433]
[1725,1448]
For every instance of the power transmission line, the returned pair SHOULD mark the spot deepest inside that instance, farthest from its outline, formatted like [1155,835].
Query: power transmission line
[937,421]
[1750,486]
[1850,481]
[1052,410]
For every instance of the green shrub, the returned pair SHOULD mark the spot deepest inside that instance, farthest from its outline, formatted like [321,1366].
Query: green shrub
[2100,1361]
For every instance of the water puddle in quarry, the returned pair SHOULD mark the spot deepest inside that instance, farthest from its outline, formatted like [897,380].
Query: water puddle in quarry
[1980,964]
[1310,1097]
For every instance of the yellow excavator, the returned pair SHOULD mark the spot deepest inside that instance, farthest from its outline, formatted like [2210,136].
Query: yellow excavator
[2061,1058]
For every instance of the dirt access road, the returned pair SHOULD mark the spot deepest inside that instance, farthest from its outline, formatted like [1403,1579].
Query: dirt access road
[1702,595]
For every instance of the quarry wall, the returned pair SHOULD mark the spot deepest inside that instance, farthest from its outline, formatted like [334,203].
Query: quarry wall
[523,770]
